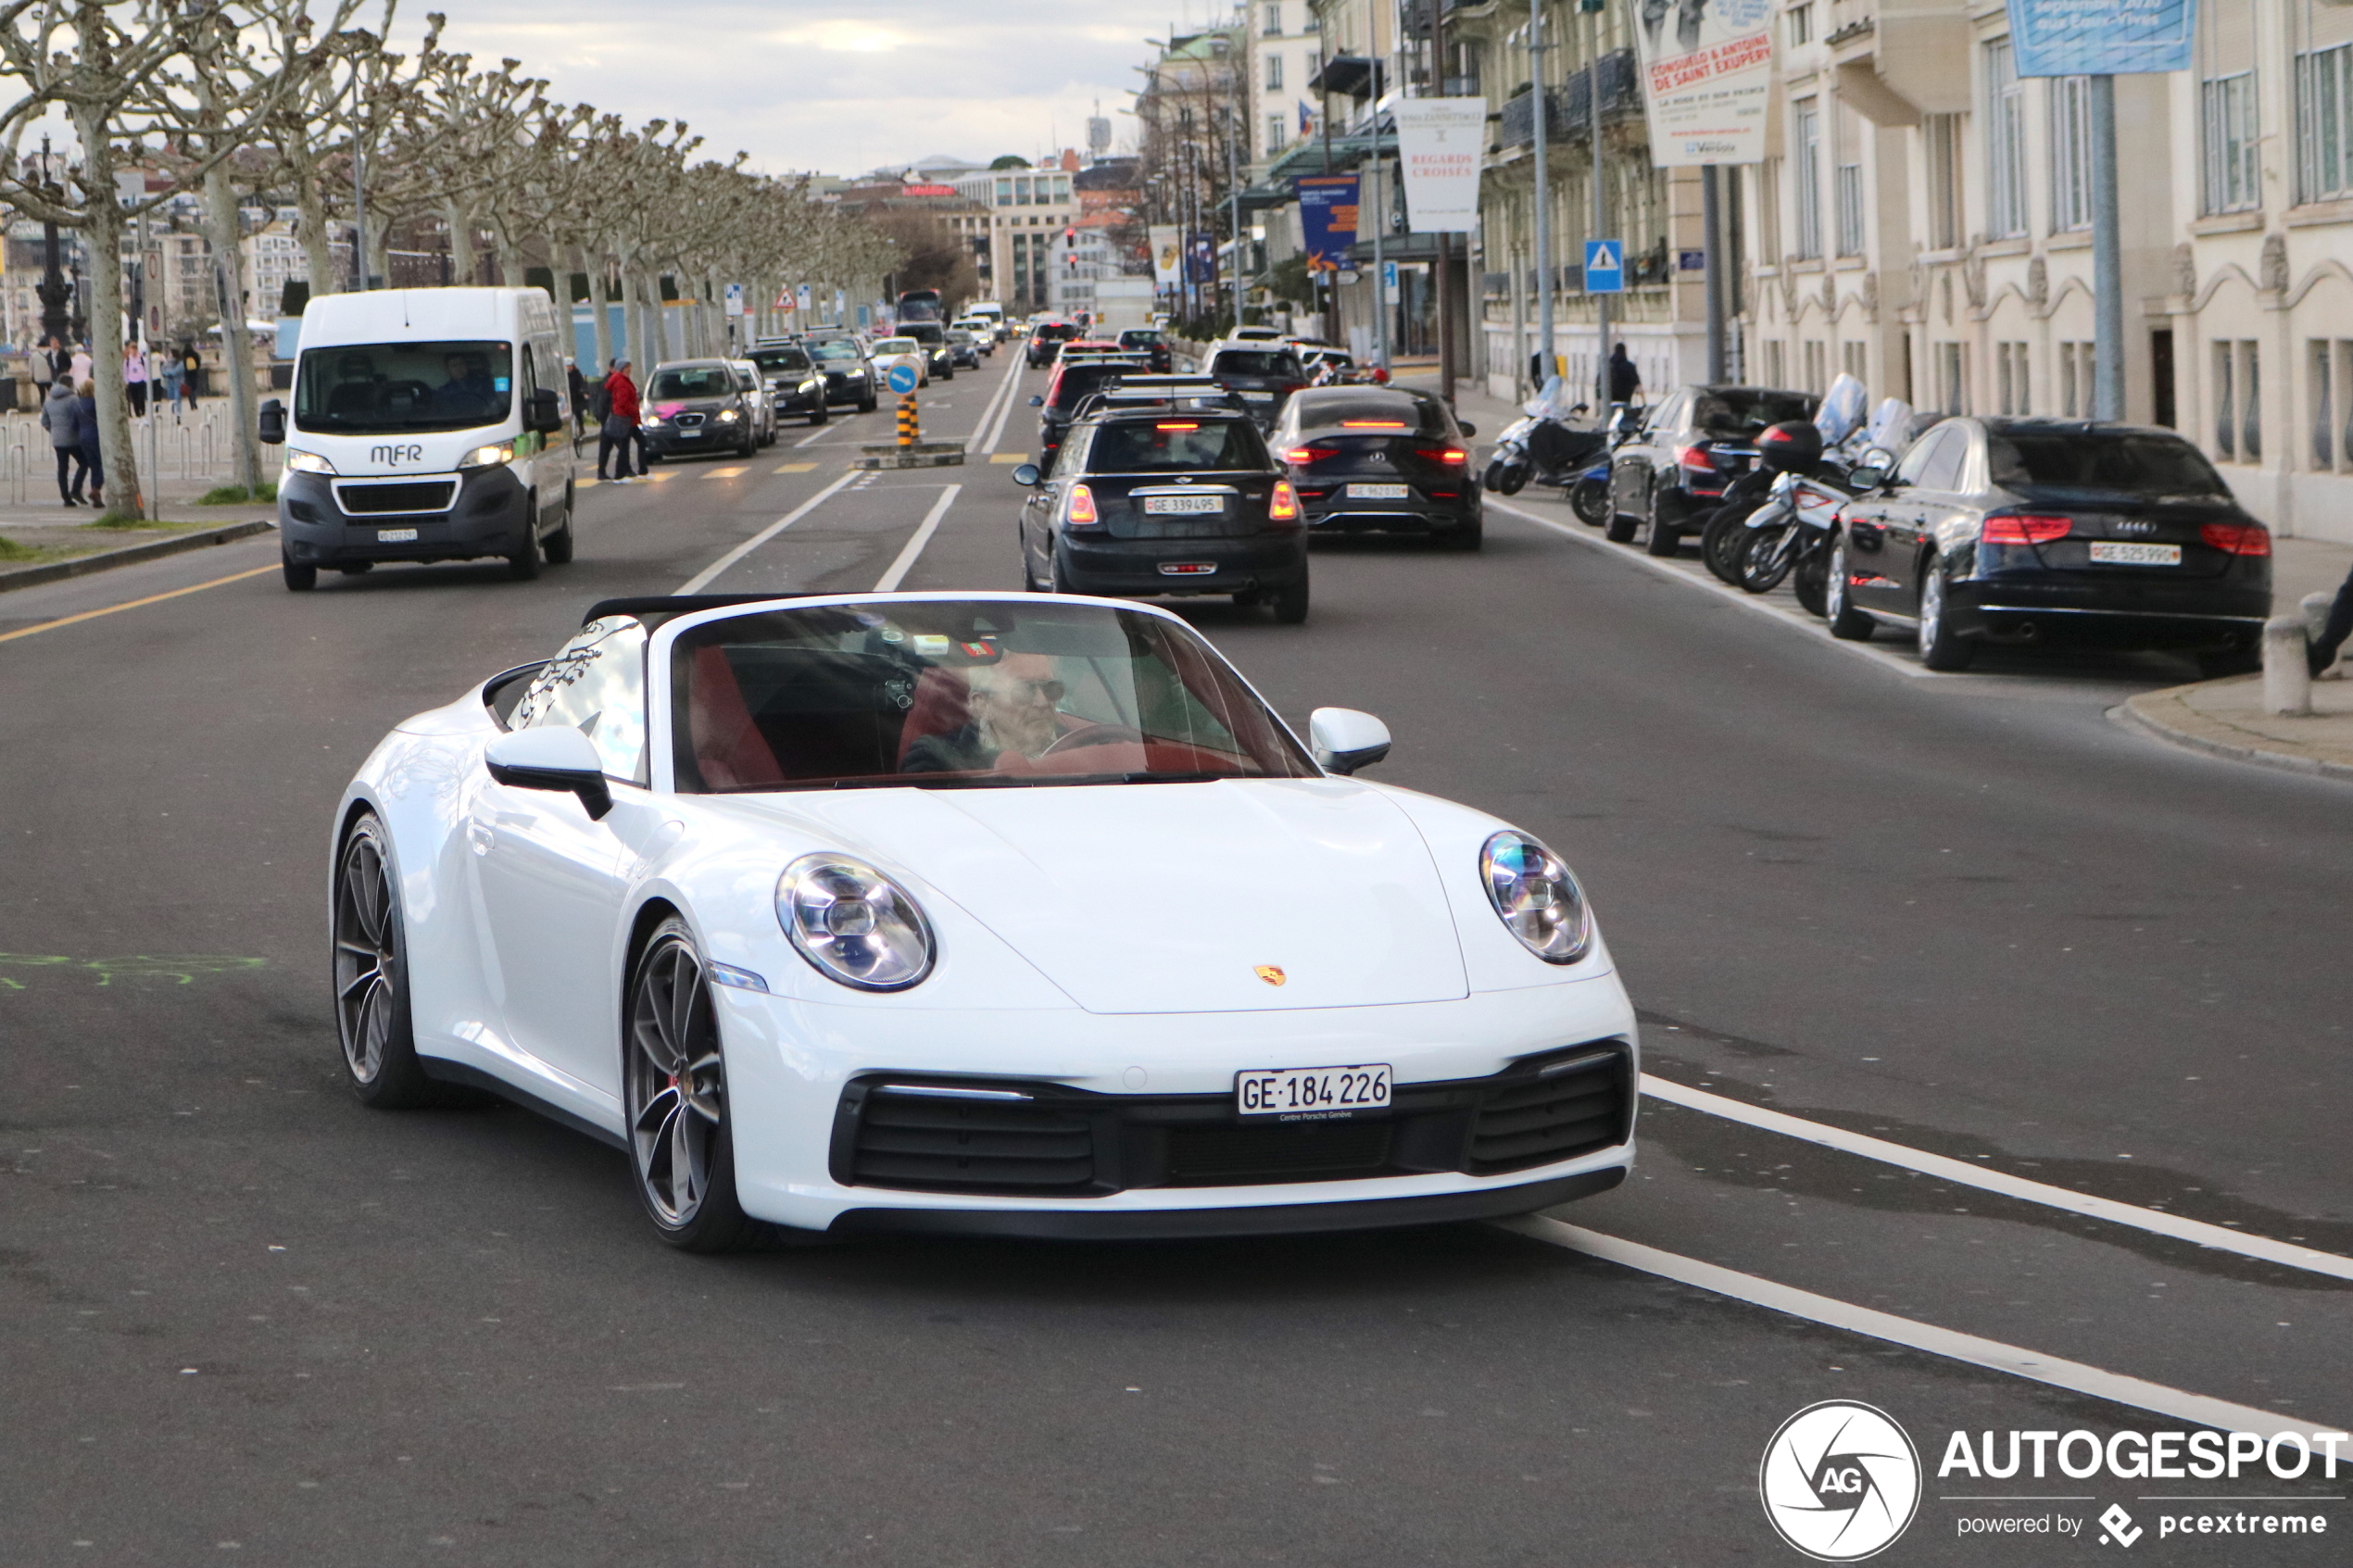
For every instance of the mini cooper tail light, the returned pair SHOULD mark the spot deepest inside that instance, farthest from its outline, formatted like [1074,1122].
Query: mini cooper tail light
[853,925]
[1536,898]
[2237,539]
[1283,507]
[2017,528]
[1081,511]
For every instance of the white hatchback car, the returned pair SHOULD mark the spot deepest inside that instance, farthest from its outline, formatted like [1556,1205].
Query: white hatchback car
[889,351]
[968,913]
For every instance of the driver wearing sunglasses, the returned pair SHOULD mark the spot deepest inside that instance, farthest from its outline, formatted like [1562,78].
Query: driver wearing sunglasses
[1013,712]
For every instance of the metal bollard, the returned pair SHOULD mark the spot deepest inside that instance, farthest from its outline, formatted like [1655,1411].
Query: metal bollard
[909,427]
[2287,678]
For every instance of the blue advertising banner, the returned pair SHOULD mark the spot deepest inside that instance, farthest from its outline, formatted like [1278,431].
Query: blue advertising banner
[2101,37]
[1327,219]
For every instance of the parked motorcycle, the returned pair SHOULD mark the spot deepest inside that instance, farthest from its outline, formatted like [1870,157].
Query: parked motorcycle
[1792,530]
[1543,446]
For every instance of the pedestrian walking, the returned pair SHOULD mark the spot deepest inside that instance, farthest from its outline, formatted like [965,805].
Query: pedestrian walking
[44,370]
[134,377]
[78,366]
[617,437]
[62,417]
[167,385]
[192,371]
[2322,653]
[87,453]
[1625,381]
[579,387]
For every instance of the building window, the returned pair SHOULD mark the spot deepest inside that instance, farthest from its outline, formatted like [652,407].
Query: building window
[2228,126]
[1952,377]
[2070,153]
[2077,372]
[1852,358]
[2325,124]
[1850,209]
[1943,135]
[2004,143]
[2323,357]
[1776,369]
[2250,403]
[1273,134]
[1273,19]
[2011,387]
[1815,357]
[2238,401]
[1273,72]
[1801,24]
[1806,154]
[2226,427]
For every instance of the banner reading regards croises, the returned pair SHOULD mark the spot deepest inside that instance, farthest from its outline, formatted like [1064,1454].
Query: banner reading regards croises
[1707,79]
[1437,147]
[1327,219]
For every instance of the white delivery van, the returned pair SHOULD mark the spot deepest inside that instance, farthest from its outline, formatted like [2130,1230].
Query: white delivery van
[428,424]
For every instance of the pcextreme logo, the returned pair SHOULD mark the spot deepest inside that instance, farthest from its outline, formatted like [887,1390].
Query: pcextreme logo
[1840,1481]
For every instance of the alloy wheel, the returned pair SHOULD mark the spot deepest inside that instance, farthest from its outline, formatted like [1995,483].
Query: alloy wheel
[367,960]
[677,1081]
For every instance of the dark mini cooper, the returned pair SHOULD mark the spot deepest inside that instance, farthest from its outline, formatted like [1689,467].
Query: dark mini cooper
[2038,530]
[1149,502]
[693,406]
[1367,458]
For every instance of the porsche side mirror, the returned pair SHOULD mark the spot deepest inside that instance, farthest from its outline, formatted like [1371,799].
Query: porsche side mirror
[272,424]
[1344,740]
[1027,476]
[1038,401]
[552,756]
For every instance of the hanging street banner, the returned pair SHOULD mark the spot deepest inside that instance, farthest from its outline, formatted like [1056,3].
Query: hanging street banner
[1707,79]
[1167,256]
[1438,141]
[1327,219]
[2101,37]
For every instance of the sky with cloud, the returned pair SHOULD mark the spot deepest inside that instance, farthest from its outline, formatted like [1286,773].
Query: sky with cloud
[820,84]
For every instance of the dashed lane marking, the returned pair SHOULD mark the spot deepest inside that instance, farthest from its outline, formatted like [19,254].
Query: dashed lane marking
[133,604]
[1005,458]
[1964,1173]
[796,468]
[898,572]
[1992,1354]
[725,472]
[695,584]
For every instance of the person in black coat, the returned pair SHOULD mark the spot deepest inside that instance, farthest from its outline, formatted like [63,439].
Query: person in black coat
[1624,380]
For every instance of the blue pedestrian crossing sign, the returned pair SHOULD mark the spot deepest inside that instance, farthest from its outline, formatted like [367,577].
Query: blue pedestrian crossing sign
[1604,267]
[900,379]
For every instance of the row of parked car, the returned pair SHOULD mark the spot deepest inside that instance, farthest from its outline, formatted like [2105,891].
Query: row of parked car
[1959,532]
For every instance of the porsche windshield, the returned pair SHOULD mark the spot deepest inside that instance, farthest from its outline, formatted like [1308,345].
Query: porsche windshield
[961,694]
[397,388]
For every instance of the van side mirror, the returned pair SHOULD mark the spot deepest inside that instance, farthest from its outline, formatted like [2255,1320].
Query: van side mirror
[272,424]
[554,756]
[1344,740]
[546,412]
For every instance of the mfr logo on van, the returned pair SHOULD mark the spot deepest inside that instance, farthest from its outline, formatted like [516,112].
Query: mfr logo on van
[396,455]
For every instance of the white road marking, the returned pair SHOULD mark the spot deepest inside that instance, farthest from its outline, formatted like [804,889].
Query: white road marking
[1758,603]
[1005,410]
[1992,1354]
[898,572]
[1963,1172]
[695,584]
[816,434]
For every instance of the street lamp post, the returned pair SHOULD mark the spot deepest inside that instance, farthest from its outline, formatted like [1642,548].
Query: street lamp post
[56,321]
[1537,50]
[1601,198]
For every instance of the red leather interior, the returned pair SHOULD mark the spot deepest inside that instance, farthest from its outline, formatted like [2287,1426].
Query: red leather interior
[943,705]
[729,748]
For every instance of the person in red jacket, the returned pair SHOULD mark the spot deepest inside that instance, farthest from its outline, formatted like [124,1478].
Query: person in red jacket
[618,436]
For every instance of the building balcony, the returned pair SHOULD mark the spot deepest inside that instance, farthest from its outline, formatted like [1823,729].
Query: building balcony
[1896,60]
[1569,108]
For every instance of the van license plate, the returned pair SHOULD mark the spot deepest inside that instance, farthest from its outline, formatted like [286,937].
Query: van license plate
[1311,1094]
[1183,503]
[396,536]
[2118,553]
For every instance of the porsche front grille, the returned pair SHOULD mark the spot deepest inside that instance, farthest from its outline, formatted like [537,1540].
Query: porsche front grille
[1025,1139]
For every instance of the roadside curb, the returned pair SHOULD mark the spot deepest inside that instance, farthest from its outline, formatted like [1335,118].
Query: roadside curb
[129,555]
[2167,716]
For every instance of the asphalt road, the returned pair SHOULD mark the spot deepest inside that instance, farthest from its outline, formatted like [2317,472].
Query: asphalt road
[245,1320]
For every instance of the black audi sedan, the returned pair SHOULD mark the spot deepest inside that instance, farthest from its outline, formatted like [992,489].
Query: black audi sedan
[693,406]
[2029,532]
[794,381]
[1368,458]
[1688,449]
[1143,503]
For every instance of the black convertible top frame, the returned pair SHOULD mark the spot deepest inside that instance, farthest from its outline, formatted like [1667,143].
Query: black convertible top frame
[654,609]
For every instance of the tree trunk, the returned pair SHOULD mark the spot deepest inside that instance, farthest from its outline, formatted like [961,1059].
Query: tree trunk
[600,318]
[464,270]
[236,346]
[103,235]
[658,329]
[632,316]
[318,242]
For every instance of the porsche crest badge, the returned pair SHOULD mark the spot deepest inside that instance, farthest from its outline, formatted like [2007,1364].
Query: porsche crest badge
[1272,975]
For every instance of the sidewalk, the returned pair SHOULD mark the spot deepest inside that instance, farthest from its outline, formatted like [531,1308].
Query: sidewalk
[42,534]
[2222,718]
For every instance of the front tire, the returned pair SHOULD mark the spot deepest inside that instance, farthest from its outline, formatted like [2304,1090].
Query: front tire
[1722,542]
[301,577]
[674,1089]
[1513,480]
[1466,538]
[1666,538]
[1847,623]
[1589,498]
[1942,649]
[370,972]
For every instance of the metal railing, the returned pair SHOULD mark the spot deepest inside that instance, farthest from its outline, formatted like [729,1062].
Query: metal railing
[192,446]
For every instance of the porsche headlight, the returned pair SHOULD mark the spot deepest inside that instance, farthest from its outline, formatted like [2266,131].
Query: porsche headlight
[853,923]
[1538,900]
[308,462]
[488,457]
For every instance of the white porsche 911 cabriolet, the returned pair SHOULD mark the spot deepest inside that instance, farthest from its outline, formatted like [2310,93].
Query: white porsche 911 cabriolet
[1009,915]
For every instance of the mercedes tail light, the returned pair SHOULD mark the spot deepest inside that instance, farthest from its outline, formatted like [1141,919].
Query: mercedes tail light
[2018,528]
[1310,454]
[1443,453]
[1284,504]
[2237,538]
[1080,511]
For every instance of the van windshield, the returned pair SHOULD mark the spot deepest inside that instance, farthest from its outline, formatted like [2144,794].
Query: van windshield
[397,388]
